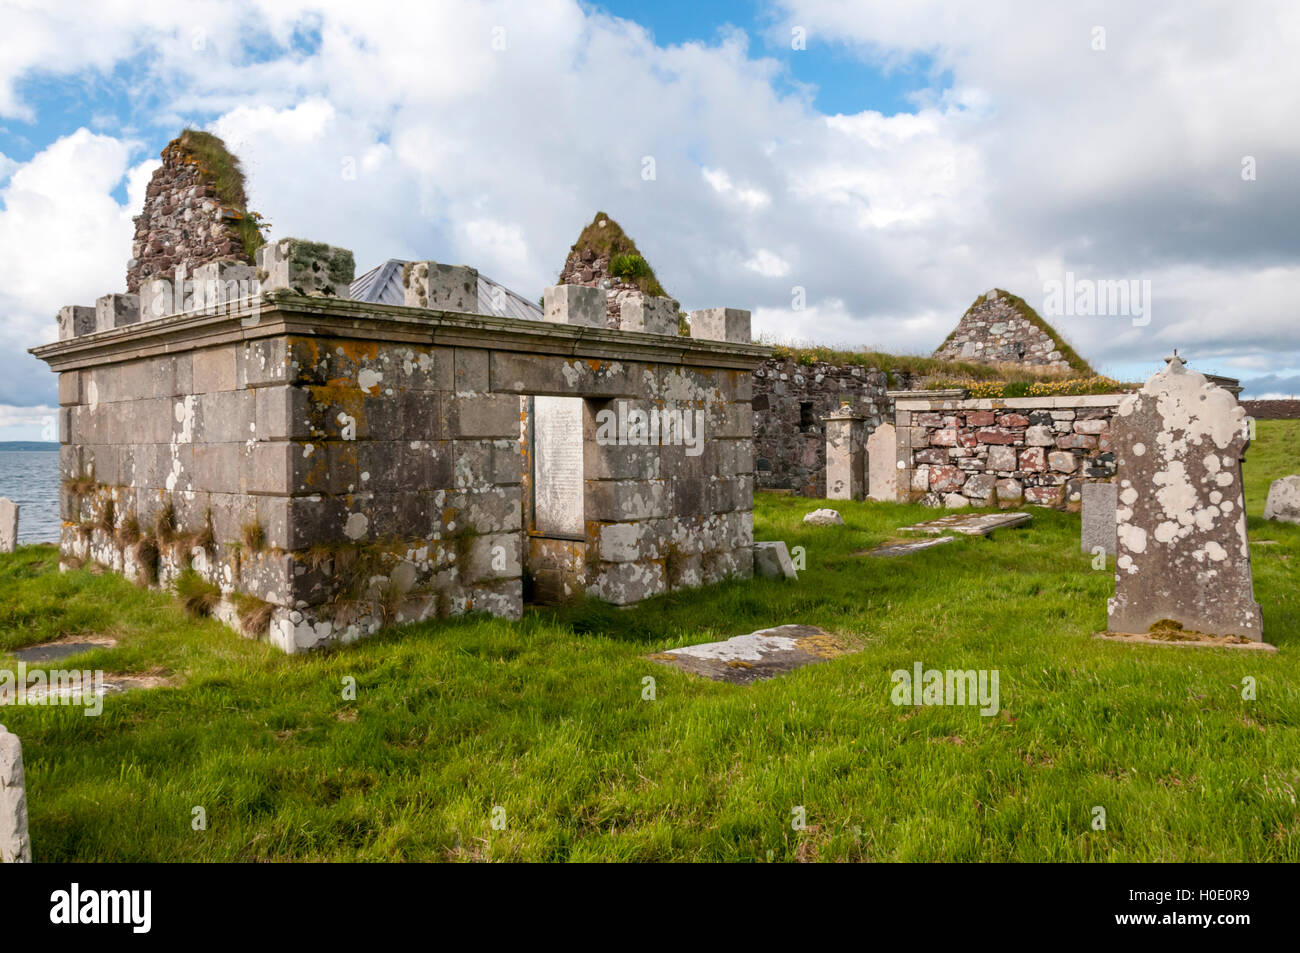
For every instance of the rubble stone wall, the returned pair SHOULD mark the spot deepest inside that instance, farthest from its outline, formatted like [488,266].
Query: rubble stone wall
[1003,452]
[993,331]
[183,223]
[790,400]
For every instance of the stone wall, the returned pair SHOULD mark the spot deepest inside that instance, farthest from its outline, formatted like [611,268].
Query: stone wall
[995,331]
[790,401]
[954,452]
[332,466]
[184,222]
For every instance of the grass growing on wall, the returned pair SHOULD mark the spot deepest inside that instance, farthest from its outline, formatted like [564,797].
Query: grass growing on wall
[228,179]
[545,719]
[1068,354]
[626,261]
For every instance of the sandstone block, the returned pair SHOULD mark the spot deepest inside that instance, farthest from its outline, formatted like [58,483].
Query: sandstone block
[76,320]
[649,314]
[439,287]
[721,324]
[574,304]
[116,310]
[308,268]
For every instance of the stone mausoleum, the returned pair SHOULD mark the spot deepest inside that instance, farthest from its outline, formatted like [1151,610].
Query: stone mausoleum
[333,465]
[309,466]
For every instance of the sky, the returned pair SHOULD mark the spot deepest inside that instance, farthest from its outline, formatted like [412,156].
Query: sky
[854,173]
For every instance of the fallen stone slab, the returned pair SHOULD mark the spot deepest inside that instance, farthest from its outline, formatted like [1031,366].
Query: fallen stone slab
[110,685]
[759,655]
[975,524]
[824,517]
[772,560]
[1283,503]
[903,548]
[15,844]
[62,648]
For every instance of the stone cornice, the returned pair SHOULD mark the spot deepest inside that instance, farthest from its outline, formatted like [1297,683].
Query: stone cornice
[282,313]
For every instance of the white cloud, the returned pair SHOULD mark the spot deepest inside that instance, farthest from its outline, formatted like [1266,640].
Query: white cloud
[410,136]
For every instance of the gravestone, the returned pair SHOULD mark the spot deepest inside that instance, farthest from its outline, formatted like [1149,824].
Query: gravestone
[977,524]
[1182,550]
[882,464]
[1283,503]
[8,525]
[15,844]
[1099,500]
[759,655]
[846,472]
[557,466]
[772,560]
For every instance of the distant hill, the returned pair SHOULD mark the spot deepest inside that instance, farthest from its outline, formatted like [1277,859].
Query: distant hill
[27,445]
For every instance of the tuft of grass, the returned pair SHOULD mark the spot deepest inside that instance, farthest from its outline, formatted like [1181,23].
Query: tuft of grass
[164,526]
[254,614]
[198,596]
[128,531]
[147,554]
[253,537]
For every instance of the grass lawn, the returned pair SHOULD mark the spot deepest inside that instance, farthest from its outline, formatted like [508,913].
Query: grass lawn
[545,719]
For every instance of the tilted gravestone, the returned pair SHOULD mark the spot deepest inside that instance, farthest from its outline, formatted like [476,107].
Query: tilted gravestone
[15,844]
[882,464]
[1099,503]
[8,525]
[1182,550]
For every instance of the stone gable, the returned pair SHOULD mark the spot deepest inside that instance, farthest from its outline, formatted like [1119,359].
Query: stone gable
[1001,329]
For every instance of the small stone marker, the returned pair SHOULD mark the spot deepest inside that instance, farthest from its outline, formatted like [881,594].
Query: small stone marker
[1284,500]
[772,561]
[1099,500]
[1183,555]
[902,549]
[15,844]
[846,471]
[882,464]
[824,517]
[980,524]
[8,525]
[759,655]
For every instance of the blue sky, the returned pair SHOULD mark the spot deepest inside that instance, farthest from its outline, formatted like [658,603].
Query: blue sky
[913,156]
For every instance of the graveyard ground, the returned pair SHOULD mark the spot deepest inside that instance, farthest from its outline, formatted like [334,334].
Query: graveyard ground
[545,718]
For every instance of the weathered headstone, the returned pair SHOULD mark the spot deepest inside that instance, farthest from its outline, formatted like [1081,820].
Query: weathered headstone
[8,525]
[772,560]
[1283,502]
[15,844]
[1182,552]
[882,464]
[1099,501]
[846,472]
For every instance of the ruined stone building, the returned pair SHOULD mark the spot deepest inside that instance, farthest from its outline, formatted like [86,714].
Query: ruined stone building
[310,467]
[1000,328]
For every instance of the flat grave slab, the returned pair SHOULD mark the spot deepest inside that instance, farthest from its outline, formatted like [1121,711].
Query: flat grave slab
[759,655]
[63,648]
[902,549]
[971,524]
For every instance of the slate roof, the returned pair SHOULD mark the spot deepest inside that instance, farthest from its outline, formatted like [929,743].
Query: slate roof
[383,285]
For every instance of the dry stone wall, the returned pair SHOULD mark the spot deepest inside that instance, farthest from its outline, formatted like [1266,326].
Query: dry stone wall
[986,452]
[790,402]
[993,331]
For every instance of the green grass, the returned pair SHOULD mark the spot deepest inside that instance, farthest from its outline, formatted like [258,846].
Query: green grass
[545,718]
[227,177]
